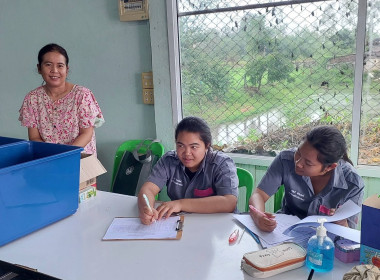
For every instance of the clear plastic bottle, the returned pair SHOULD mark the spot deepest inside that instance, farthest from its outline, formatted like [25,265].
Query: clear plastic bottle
[320,250]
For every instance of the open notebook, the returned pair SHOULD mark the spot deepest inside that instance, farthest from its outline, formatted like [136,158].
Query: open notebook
[291,228]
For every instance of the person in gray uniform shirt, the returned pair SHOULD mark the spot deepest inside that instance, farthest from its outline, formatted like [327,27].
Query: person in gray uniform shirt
[317,176]
[198,179]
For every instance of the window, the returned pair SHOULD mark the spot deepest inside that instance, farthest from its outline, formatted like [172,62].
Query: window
[263,73]
[369,144]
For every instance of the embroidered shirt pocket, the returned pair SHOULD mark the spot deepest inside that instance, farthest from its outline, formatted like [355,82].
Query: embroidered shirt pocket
[203,193]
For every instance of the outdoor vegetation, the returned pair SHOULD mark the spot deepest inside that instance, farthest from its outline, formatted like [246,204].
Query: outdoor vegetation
[263,77]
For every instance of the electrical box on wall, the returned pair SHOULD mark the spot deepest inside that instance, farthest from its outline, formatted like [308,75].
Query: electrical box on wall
[147,87]
[130,10]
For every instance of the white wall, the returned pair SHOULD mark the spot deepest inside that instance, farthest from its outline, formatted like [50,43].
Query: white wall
[106,55]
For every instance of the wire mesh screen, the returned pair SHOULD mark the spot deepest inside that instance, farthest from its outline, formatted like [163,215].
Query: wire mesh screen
[369,145]
[262,74]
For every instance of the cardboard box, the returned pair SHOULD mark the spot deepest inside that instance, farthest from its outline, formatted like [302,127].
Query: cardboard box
[90,168]
[370,229]
[38,186]
[87,193]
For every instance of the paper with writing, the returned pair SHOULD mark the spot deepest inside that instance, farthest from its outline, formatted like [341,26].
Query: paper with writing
[132,228]
[269,237]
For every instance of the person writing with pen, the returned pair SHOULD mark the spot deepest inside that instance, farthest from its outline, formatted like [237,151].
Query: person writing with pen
[318,177]
[198,179]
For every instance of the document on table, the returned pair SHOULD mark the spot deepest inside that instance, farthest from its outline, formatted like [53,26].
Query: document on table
[292,228]
[347,210]
[275,236]
[131,228]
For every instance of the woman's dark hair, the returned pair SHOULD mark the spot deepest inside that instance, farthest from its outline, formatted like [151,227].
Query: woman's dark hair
[196,125]
[330,144]
[52,48]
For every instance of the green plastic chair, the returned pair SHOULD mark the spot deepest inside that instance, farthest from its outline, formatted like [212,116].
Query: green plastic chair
[245,180]
[156,148]
[278,198]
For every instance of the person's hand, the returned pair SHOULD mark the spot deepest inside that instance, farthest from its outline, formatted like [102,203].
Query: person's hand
[265,221]
[343,222]
[148,216]
[167,208]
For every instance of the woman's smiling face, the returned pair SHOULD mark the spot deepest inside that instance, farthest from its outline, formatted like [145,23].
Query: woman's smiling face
[53,69]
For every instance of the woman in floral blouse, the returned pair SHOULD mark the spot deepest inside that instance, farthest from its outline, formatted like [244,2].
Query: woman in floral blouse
[59,111]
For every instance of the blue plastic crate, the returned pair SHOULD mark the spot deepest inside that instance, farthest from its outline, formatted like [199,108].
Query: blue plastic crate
[9,141]
[39,185]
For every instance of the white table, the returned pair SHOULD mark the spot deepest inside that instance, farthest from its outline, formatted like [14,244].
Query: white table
[73,248]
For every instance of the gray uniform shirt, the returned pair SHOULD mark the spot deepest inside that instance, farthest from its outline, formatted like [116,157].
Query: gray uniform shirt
[299,198]
[216,176]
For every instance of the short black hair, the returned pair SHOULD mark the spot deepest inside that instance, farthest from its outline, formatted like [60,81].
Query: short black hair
[197,125]
[52,48]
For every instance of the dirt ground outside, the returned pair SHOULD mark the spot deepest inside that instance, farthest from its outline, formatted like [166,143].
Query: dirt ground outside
[272,143]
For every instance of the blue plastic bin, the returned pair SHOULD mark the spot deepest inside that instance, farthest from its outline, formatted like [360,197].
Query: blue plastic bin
[39,185]
[8,141]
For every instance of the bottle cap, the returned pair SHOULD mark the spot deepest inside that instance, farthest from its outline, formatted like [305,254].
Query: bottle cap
[321,230]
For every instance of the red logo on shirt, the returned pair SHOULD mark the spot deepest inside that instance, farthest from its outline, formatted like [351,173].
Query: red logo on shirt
[323,209]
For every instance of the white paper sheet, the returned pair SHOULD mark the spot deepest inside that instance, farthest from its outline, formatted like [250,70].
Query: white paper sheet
[269,237]
[345,211]
[132,228]
[345,232]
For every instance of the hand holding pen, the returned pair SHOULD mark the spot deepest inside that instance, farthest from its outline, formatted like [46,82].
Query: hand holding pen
[149,215]
[265,221]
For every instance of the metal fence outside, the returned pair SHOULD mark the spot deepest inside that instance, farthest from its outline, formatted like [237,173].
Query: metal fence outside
[264,73]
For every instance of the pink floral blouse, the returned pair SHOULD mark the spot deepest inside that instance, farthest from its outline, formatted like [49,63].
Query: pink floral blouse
[60,121]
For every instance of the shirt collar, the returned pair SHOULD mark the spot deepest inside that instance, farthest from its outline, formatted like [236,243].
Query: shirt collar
[338,177]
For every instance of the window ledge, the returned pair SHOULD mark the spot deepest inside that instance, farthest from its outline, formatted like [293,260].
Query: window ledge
[251,159]
[363,170]
[368,171]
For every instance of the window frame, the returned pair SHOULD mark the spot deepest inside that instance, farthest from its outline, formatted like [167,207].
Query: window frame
[176,97]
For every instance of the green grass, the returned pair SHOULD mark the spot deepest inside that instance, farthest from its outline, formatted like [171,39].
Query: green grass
[289,97]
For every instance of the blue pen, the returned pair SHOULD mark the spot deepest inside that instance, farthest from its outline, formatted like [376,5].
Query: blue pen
[254,236]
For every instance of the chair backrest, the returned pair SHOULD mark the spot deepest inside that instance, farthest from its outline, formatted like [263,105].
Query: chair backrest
[278,198]
[245,180]
[130,145]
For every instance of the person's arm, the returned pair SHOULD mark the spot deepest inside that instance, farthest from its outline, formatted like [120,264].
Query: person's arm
[342,223]
[146,215]
[225,182]
[34,134]
[265,221]
[205,205]
[267,187]
[84,137]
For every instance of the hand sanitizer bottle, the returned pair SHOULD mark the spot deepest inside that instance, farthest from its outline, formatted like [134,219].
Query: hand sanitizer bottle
[320,250]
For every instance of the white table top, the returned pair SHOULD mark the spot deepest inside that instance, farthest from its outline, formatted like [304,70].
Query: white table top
[73,248]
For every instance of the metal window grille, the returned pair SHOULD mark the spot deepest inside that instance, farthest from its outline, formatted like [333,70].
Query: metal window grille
[263,73]
[369,144]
